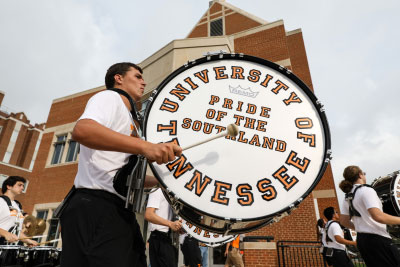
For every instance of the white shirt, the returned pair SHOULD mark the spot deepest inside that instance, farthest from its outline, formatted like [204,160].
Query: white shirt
[334,229]
[163,209]
[365,198]
[96,168]
[9,218]
[323,235]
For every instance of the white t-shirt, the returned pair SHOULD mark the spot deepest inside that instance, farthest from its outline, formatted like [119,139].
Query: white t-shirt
[334,229]
[96,168]
[323,235]
[9,218]
[365,198]
[157,200]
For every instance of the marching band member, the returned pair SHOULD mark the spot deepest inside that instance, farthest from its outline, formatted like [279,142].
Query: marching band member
[11,217]
[362,211]
[96,228]
[334,240]
[232,254]
[159,214]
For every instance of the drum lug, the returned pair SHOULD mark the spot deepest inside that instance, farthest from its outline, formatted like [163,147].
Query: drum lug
[328,156]
[280,217]
[285,69]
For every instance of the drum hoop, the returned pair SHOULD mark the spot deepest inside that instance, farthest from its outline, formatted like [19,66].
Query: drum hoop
[286,73]
[392,191]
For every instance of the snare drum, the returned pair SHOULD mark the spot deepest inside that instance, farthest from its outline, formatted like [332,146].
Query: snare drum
[233,185]
[388,190]
[44,256]
[14,255]
[206,237]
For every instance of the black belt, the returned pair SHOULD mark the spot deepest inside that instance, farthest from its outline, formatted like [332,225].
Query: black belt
[104,195]
[157,233]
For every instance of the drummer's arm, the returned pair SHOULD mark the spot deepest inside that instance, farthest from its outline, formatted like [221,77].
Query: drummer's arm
[10,237]
[151,216]
[346,222]
[150,181]
[381,217]
[96,136]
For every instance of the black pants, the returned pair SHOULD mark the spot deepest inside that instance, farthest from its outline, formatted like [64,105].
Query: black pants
[377,250]
[97,231]
[340,259]
[161,251]
[191,252]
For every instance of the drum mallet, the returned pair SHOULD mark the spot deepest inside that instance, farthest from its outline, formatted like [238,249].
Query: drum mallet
[231,130]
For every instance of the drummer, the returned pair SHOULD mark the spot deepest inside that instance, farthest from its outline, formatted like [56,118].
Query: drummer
[364,214]
[160,215]
[96,229]
[11,216]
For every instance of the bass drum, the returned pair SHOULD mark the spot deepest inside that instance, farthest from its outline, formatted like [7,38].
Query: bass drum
[388,190]
[233,185]
[208,238]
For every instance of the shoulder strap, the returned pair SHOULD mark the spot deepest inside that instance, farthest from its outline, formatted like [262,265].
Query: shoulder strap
[6,199]
[328,239]
[131,102]
[350,197]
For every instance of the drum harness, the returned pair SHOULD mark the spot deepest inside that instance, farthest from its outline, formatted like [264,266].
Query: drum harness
[350,197]
[132,174]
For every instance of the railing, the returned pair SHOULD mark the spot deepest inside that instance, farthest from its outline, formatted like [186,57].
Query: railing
[307,254]
[299,253]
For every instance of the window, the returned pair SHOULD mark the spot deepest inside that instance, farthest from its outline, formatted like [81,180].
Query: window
[216,28]
[41,214]
[59,149]
[73,150]
[54,231]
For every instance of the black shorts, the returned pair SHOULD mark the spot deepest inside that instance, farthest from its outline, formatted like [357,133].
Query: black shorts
[98,231]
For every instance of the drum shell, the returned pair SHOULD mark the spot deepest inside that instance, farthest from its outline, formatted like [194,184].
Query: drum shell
[13,255]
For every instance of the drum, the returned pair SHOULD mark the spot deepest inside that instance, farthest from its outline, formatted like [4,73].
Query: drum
[388,190]
[14,255]
[206,237]
[44,256]
[233,185]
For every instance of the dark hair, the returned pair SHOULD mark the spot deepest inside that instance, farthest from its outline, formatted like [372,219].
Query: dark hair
[351,174]
[119,68]
[320,222]
[328,213]
[11,181]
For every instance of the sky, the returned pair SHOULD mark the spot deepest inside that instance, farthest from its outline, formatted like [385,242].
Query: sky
[51,49]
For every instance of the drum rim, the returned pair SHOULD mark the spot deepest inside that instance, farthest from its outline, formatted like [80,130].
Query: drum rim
[392,190]
[210,244]
[287,73]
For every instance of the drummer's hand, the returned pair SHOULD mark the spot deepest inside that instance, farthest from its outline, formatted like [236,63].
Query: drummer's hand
[175,226]
[163,152]
[31,243]
[10,237]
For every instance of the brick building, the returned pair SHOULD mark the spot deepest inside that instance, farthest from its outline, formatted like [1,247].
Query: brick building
[222,27]
[19,143]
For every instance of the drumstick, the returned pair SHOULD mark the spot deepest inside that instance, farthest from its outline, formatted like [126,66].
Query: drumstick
[30,237]
[231,130]
[51,241]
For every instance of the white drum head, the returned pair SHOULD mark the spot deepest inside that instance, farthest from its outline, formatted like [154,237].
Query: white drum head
[278,157]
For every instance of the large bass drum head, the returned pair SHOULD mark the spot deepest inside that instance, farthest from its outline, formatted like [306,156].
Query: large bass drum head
[275,161]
